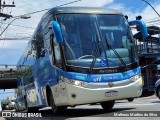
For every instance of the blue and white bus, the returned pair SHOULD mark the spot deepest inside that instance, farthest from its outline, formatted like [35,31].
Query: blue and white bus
[79,55]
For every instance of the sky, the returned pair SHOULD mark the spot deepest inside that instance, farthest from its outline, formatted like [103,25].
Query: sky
[11,50]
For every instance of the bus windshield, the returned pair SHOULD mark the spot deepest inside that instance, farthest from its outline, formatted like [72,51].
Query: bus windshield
[88,37]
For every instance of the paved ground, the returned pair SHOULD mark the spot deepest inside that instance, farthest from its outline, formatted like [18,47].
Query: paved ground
[148,107]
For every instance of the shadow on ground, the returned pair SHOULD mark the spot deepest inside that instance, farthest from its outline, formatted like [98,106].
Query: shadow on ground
[80,112]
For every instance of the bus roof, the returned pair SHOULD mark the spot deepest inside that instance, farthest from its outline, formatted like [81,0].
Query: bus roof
[89,10]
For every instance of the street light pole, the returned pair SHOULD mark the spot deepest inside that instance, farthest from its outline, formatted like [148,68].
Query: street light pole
[20,17]
[151,7]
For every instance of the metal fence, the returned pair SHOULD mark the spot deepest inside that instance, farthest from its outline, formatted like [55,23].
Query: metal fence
[8,71]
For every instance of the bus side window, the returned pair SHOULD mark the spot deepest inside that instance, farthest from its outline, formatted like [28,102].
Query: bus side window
[56,51]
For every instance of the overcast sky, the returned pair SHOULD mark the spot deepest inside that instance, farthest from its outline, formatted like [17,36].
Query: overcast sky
[10,51]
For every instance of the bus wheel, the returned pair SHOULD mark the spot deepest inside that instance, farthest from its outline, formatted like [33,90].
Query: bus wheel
[56,109]
[130,99]
[26,105]
[27,108]
[31,109]
[16,108]
[107,105]
[158,93]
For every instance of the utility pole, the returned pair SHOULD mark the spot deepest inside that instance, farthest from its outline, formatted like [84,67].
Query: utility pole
[6,16]
[0,6]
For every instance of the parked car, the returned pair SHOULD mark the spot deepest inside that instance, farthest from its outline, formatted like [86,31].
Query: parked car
[4,105]
[11,105]
[157,88]
[8,105]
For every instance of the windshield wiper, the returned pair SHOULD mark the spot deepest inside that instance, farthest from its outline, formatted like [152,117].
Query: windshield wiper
[115,52]
[95,54]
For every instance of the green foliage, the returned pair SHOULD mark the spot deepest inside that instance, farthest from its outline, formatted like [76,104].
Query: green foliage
[22,72]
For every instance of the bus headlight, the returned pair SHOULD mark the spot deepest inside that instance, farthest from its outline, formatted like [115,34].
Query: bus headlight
[76,82]
[136,77]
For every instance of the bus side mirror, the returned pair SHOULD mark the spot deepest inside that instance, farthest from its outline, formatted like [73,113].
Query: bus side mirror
[143,27]
[57,31]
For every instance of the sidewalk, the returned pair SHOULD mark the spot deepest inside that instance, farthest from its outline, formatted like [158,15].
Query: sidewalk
[1,118]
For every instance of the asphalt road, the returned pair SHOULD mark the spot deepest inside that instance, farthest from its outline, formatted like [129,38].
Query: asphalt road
[141,108]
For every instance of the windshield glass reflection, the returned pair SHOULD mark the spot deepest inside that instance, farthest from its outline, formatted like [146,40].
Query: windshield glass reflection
[86,38]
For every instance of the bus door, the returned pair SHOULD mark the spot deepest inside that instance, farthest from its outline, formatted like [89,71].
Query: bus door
[54,49]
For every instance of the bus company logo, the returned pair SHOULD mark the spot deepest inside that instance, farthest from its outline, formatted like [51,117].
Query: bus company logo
[17,114]
[6,114]
[110,84]
[108,71]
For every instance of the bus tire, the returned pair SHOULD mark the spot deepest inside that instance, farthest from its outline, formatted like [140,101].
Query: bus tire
[158,92]
[130,99]
[55,109]
[27,108]
[31,109]
[3,108]
[16,108]
[107,105]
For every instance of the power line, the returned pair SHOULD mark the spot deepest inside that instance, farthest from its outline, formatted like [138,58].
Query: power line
[154,18]
[151,7]
[154,21]
[19,25]
[44,10]
[22,6]
[16,38]
[23,26]
[19,30]
[50,8]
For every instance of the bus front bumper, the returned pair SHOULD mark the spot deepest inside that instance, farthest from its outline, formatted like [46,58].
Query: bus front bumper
[76,95]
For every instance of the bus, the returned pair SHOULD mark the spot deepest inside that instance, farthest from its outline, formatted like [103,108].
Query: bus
[79,55]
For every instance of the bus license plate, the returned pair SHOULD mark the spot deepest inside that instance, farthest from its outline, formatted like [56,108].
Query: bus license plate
[112,93]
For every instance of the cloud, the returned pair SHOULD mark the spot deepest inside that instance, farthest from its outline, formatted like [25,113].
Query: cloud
[118,6]
[92,3]
[147,13]
[28,6]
